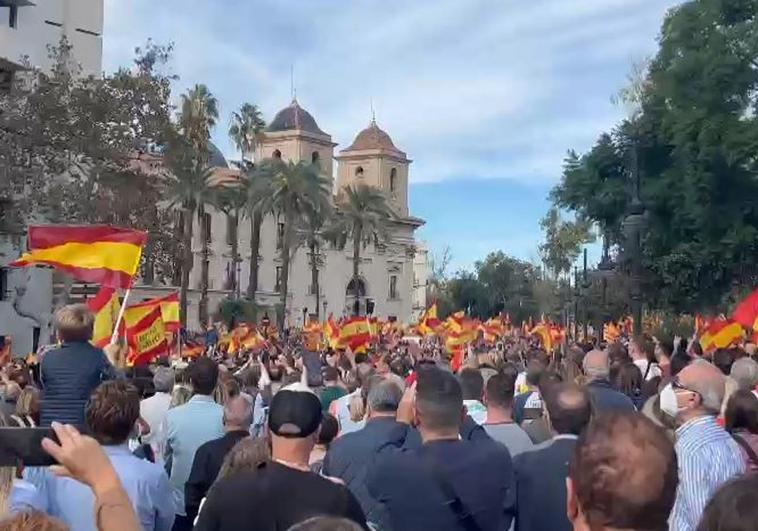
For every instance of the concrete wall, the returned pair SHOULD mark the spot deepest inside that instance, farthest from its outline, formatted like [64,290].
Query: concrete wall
[45,23]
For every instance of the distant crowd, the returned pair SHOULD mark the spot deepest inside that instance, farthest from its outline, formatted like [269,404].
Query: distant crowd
[640,434]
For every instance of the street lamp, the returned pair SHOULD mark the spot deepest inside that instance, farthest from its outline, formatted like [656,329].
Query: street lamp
[633,226]
[305,312]
[325,304]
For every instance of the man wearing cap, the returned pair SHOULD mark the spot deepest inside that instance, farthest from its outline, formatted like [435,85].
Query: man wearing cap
[284,491]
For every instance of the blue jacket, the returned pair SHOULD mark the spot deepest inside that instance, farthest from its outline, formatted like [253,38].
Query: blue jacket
[541,486]
[69,374]
[606,399]
[407,482]
[350,456]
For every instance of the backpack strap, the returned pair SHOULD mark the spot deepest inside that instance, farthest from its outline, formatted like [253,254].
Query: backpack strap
[745,446]
[453,501]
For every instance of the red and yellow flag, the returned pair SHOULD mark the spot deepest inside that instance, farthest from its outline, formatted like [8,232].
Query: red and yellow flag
[722,333]
[747,311]
[146,339]
[100,254]
[429,322]
[331,332]
[105,305]
[169,306]
[542,330]
[611,332]
[355,333]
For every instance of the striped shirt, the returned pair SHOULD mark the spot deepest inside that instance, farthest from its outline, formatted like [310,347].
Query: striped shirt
[707,457]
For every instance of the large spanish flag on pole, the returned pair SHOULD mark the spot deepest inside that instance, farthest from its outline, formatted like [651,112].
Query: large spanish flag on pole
[747,312]
[355,333]
[105,305]
[722,333]
[146,339]
[100,254]
[169,306]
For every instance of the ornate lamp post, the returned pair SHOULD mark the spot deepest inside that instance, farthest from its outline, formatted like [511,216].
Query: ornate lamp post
[633,226]
[605,271]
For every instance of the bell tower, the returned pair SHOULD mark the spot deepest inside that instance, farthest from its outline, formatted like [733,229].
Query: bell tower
[293,135]
[374,160]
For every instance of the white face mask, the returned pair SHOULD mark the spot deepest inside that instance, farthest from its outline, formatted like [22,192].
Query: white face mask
[669,403]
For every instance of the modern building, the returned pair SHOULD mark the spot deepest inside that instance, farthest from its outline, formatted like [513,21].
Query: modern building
[29,27]
[387,273]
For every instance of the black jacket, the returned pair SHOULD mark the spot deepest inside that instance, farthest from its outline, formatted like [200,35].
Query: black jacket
[541,486]
[350,456]
[606,399]
[408,483]
[69,374]
[205,467]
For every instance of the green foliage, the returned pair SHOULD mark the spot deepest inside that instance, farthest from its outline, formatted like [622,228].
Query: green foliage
[246,128]
[563,241]
[198,114]
[696,134]
[233,311]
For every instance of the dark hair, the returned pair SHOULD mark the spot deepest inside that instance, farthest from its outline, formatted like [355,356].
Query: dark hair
[112,411]
[617,353]
[361,357]
[628,379]
[510,370]
[723,359]
[646,346]
[500,389]
[742,412]
[203,375]
[697,348]
[330,374]
[472,383]
[329,429]
[667,346]
[534,370]
[624,473]
[326,523]
[439,399]
[568,406]
[734,506]
[547,380]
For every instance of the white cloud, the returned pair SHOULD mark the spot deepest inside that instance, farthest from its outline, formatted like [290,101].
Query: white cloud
[468,88]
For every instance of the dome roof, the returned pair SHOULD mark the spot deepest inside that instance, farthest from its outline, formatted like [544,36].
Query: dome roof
[216,159]
[373,138]
[294,117]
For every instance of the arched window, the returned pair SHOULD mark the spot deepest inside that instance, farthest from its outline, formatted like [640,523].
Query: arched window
[316,159]
[353,284]
[277,154]
[393,179]
[359,171]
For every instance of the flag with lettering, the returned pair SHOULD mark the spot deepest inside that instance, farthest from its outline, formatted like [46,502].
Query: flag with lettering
[146,339]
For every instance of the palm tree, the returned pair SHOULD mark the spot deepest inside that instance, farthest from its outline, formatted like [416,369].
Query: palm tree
[232,200]
[197,116]
[188,188]
[245,131]
[246,128]
[312,234]
[294,190]
[363,214]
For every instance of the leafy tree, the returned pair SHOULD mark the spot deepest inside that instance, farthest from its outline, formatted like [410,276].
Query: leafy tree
[313,225]
[563,241]
[363,216]
[293,191]
[694,136]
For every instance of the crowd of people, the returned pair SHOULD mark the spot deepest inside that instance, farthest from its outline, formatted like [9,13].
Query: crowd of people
[640,434]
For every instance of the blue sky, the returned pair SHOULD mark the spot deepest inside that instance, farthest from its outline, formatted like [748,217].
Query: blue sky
[484,96]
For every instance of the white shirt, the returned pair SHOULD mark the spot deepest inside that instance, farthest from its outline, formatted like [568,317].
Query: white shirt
[654,372]
[153,411]
[339,408]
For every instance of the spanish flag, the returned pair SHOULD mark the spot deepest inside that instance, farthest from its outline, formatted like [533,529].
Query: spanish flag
[611,332]
[332,332]
[429,321]
[99,254]
[169,306]
[543,331]
[747,311]
[721,333]
[105,305]
[355,333]
[146,339]
[253,341]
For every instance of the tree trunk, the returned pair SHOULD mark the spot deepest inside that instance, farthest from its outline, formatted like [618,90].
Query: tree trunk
[314,276]
[187,263]
[203,308]
[283,285]
[357,235]
[256,220]
[235,255]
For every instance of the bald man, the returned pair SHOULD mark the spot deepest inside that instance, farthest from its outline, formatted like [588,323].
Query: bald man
[541,473]
[238,416]
[706,453]
[605,398]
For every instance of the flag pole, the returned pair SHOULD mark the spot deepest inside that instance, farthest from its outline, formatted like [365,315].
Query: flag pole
[114,337]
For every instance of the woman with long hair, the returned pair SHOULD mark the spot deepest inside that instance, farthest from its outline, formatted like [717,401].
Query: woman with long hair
[741,421]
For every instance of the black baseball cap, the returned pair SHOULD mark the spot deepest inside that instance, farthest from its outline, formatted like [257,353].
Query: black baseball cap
[294,413]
